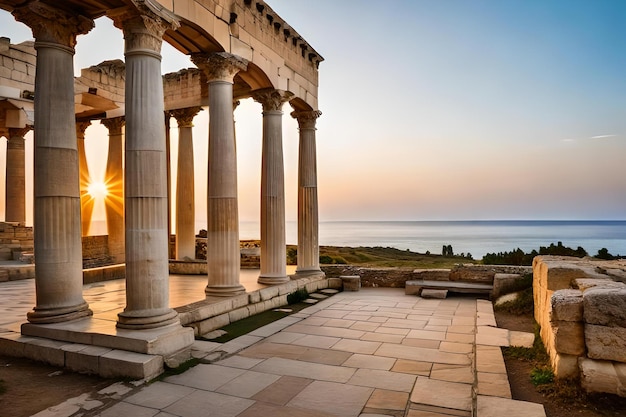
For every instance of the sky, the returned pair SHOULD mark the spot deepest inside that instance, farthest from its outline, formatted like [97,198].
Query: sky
[435,110]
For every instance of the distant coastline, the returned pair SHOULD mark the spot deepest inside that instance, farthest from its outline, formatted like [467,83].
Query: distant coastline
[477,237]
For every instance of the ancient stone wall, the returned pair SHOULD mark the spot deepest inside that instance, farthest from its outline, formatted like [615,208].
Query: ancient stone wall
[17,69]
[396,277]
[96,251]
[580,305]
[14,240]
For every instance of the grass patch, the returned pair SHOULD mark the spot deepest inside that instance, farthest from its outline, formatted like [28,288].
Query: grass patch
[541,375]
[297,296]
[522,305]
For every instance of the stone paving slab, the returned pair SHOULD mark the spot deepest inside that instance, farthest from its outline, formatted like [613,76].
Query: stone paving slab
[375,352]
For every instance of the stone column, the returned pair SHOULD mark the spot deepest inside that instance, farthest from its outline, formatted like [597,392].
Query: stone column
[223,253]
[86,200]
[308,223]
[15,190]
[273,246]
[185,205]
[145,177]
[114,180]
[57,231]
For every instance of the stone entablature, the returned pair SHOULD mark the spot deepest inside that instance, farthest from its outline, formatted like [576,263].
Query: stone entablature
[580,305]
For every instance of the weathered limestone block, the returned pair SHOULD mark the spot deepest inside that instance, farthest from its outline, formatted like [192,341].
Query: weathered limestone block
[605,306]
[600,376]
[604,342]
[564,365]
[435,294]
[569,337]
[471,273]
[584,284]
[504,284]
[351,282]
[567,305]
[432,274]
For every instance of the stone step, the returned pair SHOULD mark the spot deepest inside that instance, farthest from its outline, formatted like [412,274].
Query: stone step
[106,362]
[414,287]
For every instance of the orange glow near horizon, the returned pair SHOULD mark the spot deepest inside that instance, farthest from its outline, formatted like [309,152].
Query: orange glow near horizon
[98,190]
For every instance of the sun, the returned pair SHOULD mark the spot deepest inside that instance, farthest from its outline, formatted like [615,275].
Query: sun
[98,190]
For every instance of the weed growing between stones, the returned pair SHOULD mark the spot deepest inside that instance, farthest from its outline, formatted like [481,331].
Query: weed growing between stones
[297,296]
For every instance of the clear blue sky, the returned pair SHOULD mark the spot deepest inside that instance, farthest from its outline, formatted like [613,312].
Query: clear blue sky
[445,109]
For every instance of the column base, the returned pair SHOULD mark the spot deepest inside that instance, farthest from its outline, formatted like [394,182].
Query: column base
[224,290]
[140,320]
[58,315]
[308,273]
[273,280]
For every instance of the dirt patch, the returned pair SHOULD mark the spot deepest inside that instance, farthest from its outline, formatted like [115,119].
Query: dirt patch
[560,399]
[28,387]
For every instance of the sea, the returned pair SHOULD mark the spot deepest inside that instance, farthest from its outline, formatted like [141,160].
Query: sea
[468,237]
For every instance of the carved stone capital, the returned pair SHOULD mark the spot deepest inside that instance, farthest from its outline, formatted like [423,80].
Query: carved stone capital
[306,119]
[53,25]
[271,99]
[219,66]
[144,25]
[184,117]
[17,132]
[81,127]
[114,125]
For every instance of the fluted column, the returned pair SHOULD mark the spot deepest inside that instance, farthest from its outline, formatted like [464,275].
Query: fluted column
[15,190]
[86,200]
[57,228]
[145,181]
[308,223]
[273,246]
[185,205]
[223,253]
[114,180]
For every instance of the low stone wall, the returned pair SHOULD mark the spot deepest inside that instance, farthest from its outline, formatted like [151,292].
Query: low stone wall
[96,251]
[15,238]
[210,314]
[396,277]
[580,305]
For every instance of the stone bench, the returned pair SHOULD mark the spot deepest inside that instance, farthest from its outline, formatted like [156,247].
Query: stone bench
[414,287]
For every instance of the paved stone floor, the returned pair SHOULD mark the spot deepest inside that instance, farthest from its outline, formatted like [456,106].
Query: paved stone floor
[375,352]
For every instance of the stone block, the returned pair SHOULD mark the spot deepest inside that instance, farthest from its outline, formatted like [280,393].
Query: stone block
[212,323]
[85,359]
[605,306]
[240,313]
[351,282]
[254,297]
[470,273]
[567,305]
[335,283]
[435,294]
[505,284]
[598,376]
[606,343]
[564,365]
[119,363]
[432,274]
[569,337]
[268,293]
[45,350]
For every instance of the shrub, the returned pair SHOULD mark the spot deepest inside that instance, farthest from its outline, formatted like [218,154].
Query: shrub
[297,296]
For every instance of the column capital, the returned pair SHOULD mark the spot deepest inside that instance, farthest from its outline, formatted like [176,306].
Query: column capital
[18,132]
[272,99]
[219,66]
[144,25]
[184,117]
[114,124]
[81,126]
[306,119]
[52,25]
